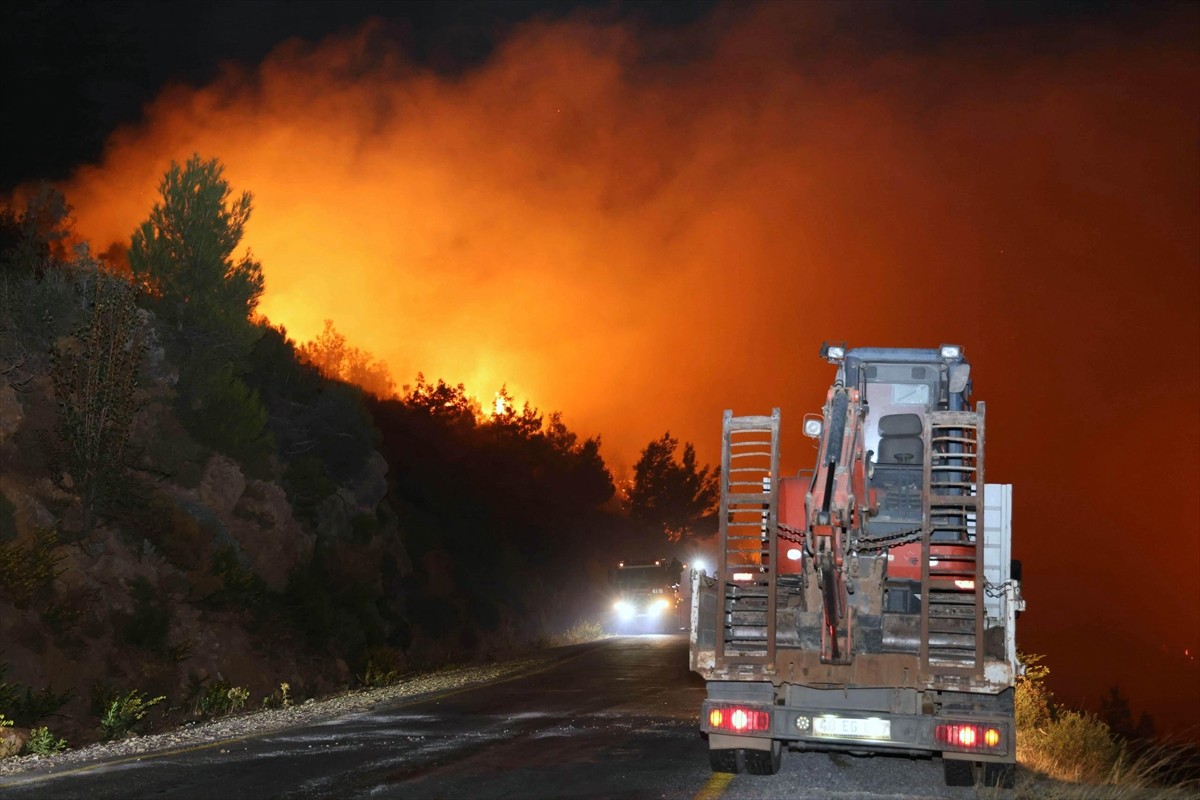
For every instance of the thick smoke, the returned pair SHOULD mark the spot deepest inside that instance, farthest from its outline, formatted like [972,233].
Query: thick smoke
[643,230]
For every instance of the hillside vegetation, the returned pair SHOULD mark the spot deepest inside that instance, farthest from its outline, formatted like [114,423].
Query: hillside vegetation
[198,515]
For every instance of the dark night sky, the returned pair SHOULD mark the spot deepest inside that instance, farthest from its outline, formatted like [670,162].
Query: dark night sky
[86,67]
[1021,178]
[78,70]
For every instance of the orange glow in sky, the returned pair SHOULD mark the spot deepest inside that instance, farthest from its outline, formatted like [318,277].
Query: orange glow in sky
[642,241]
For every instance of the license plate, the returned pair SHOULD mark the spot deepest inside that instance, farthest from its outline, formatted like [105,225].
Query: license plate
[850,728]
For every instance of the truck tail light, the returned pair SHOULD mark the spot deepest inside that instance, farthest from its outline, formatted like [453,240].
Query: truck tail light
[738,719]
[970,737]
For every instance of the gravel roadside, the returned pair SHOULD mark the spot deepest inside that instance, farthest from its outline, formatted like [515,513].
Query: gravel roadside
[270,720]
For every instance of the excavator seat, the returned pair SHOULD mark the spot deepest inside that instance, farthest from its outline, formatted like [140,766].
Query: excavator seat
[900,440]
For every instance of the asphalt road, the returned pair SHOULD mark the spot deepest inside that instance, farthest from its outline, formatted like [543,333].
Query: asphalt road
[611,719]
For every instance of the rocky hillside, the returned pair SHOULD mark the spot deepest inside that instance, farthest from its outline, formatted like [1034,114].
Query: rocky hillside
[192,578]
[197,514]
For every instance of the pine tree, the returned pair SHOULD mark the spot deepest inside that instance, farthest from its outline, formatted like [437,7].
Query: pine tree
[184,254]
[673,495]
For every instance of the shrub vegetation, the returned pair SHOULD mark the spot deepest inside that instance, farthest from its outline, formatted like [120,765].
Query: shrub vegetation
[1082,750]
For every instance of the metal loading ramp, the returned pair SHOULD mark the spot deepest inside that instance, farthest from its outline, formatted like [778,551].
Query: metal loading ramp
[952,577]
[749,518]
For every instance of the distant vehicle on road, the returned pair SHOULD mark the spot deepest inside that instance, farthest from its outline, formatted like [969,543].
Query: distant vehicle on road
[646,597]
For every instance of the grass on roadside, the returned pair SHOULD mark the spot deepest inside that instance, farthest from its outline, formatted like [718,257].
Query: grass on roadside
[1082,757]
[584,631]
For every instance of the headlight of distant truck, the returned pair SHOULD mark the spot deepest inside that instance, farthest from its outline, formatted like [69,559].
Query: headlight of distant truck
[660,605]
[624,608]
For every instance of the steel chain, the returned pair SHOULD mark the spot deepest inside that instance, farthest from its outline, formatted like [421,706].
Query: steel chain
[996,589]
[798,536]
[890,540]
[791,534]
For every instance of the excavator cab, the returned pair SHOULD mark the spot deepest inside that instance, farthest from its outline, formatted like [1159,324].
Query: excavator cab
[900,388]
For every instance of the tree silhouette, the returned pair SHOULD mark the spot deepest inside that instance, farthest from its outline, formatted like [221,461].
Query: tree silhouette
[31,240]
[669,494]
[184,254]
[506,420]
[1115,711]
[95,376]
[441,400]
[339,360]
[590,481]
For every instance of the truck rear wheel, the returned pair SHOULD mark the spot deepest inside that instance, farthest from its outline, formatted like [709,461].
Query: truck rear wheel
[765,762]
[727,760]
[958,773]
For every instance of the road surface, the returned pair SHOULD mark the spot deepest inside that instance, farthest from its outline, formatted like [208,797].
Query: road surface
[611,719]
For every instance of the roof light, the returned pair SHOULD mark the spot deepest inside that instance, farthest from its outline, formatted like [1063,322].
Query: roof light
[812,427]
[951,351]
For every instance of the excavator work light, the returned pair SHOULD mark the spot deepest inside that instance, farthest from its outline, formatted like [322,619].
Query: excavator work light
[833,353]
[951,351]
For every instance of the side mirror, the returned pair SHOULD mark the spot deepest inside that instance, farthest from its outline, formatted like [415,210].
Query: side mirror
[812,426]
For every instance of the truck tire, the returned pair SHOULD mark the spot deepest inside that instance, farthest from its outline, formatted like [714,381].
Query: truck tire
[958,773]
[765,762]
[727,760]
[1002,776]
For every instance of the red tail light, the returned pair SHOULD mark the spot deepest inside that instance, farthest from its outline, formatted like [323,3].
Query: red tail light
[970,737]
[738,719]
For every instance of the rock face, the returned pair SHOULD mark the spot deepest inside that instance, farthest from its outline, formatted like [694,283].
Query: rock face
[268,534]
[371,487]
[29,513]
[336,513]
[12,740]
[11,413]
[258,517]
[222,484]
